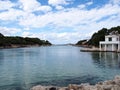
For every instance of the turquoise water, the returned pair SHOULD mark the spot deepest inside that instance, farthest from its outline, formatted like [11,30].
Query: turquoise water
[22,68]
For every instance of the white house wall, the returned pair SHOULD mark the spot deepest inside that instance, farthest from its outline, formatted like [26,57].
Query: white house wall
[114,38]
[109,47]
[106,39]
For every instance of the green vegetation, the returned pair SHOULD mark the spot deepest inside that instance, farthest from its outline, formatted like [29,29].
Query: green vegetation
[100,36]
[81,42]
[96,37]
[6,41]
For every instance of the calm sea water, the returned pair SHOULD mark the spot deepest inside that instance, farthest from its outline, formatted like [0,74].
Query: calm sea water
[22,68]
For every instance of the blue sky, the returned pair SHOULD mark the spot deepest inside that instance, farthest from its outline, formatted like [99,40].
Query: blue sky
[59,21]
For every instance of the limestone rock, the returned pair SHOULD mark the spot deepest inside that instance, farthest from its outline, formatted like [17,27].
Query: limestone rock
[39,87]
[106,85]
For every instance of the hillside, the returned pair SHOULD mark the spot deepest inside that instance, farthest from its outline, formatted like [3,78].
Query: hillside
[81,42]
[11,41]
[99,36]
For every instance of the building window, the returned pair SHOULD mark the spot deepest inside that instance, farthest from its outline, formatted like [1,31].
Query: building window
[110,39]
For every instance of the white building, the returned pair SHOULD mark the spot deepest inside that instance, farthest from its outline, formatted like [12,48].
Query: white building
[111,43]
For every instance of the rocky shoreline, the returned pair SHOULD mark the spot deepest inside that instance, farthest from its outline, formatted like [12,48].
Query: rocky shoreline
[106,85]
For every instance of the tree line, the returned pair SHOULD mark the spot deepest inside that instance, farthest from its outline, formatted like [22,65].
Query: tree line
[7,41]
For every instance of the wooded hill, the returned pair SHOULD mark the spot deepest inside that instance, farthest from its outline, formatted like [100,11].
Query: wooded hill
[9,41]
[98,36]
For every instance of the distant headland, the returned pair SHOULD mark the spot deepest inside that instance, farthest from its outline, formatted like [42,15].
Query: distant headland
[16,41]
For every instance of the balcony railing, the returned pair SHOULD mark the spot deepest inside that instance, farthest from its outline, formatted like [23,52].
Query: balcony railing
[110,42]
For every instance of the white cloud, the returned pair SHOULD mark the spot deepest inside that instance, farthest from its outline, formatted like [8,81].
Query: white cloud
[73,17]
[26,34]
[82,6]
[27,7]
[9,31]
[115,2]
[59,7]
[59,2]
[56,38]
[44,8]
[27,28]
[30,5]
[11,14]
[5,5]
[89,3]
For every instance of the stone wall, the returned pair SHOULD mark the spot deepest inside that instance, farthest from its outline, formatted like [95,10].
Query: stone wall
[106,85]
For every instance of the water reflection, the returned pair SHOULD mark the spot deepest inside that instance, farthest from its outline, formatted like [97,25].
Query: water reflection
[1,57]
[106,59]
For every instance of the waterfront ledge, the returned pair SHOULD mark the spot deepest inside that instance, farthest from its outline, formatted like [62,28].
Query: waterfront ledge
[105,85]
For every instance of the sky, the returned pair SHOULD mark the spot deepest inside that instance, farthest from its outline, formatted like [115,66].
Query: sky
[59,21]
